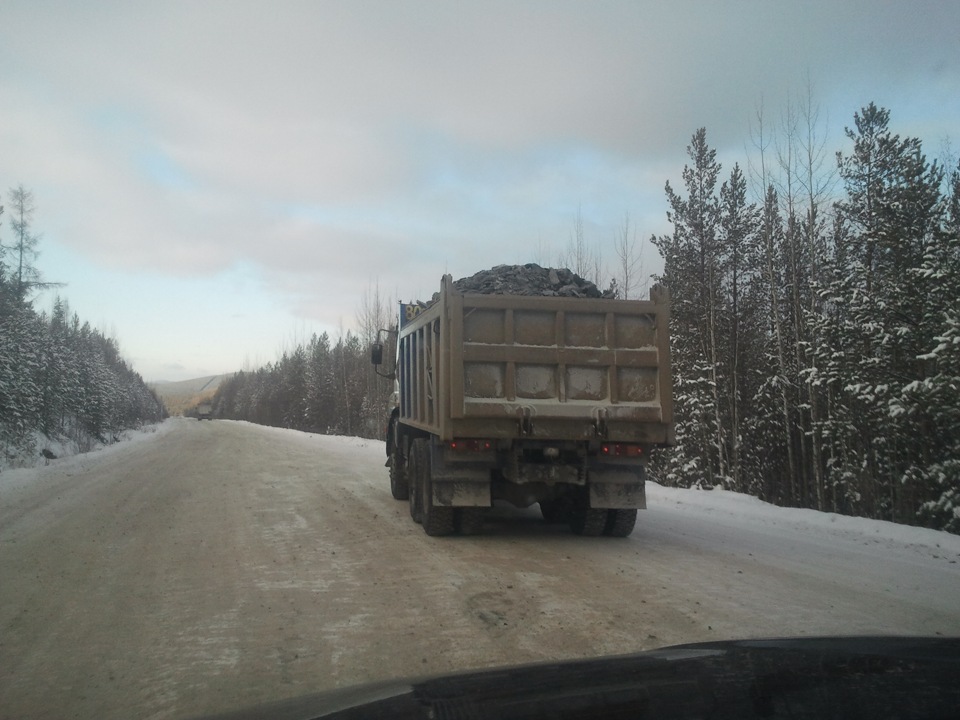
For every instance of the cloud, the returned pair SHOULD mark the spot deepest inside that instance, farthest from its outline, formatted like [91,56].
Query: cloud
[331,143]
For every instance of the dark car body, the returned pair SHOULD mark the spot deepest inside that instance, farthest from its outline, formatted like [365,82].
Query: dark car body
[860,677]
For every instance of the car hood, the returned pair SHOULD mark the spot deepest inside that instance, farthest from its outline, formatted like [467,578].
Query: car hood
[854,677]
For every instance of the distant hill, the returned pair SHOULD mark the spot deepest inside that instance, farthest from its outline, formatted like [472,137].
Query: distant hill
[186,394]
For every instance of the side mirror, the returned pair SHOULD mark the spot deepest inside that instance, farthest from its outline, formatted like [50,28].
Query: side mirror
[376,354]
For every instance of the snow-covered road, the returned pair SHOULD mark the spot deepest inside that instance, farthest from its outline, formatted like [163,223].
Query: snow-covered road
[209,566]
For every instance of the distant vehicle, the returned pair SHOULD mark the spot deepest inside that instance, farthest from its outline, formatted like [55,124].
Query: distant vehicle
[528,399]
[204,411]
[868,678]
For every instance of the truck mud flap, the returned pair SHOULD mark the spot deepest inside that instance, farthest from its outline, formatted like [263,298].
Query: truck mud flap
[460,483]
[618,496]
[617,487]
[461,493]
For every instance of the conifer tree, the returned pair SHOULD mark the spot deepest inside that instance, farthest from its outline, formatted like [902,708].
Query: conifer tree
[692,274]
[892,208]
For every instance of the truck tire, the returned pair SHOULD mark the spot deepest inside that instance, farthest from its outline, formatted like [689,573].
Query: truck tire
[469,520]
[399,484]
[554,511]
[399,480]
[415,479]
[588,521]
[437,519]
[620,522]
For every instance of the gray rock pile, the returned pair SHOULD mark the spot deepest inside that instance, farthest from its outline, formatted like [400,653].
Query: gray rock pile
[530,279]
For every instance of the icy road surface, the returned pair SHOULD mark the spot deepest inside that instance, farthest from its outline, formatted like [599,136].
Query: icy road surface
[211,565]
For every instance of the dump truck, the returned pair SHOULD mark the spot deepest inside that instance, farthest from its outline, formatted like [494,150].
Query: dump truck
[527,399]
[204,411]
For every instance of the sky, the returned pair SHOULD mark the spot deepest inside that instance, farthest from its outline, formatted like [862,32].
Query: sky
[216,181]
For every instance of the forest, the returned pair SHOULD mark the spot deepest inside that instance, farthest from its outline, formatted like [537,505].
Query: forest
[815,331]
[815,328]
[320,386]
[59,378]
[816,334]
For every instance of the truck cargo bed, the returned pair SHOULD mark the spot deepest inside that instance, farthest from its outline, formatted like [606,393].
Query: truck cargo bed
[505,366]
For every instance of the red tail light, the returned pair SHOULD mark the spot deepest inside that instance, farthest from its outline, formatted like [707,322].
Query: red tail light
[621,450]
[471,445]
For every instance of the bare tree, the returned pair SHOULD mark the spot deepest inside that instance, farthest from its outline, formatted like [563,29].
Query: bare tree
[577,256]
[771,234]
[596,267]
[541,252]
[629,262]
[3,250]
[375,315]
[817,179]
[25,275]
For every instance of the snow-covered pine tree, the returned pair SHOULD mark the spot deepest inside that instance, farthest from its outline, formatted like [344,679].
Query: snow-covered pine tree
[931,403]
[692,272]
[892,209]
[320,384]
[742,328]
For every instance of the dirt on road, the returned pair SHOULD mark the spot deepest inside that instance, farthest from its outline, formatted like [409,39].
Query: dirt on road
[215,565]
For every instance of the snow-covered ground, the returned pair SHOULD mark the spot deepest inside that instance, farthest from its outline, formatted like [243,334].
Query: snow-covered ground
[736,524]
[835,547]
[739,522]
[62,448]
[208,565]
[720,507]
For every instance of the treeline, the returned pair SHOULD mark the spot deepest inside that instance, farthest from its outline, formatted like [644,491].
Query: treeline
[318,386]
[816,330]
[58,376]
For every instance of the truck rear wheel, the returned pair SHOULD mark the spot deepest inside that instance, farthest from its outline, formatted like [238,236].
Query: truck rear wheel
[437,519]
[415,479]
[399,484]
[620,522]
[588,521]
[469,520]
[554,511]
[399,480]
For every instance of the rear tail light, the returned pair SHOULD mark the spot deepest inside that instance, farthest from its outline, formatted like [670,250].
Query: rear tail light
[471,445]
[621,450]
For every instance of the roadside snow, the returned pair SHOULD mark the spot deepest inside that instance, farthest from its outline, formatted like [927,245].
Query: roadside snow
[714,508]
[68,455]
[202,565]
[732,509]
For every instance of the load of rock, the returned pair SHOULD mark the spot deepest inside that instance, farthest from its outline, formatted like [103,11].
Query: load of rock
[530,279]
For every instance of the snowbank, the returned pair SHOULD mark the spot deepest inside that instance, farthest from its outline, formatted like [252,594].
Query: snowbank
[67,452]
[734,509]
